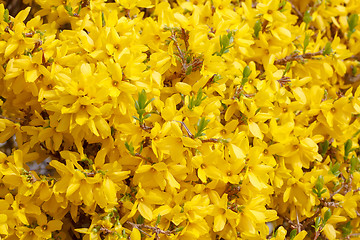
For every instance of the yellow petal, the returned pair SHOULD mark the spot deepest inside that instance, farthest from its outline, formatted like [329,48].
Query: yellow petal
[236,152]
[183,88]
[103,127]
[145,211]
[171,180]
[329,231]
[81,117]
[135,234]
[255,130]
[219,223]
[301,235]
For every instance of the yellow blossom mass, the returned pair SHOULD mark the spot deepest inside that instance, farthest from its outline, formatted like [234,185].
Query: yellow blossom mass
[186,119]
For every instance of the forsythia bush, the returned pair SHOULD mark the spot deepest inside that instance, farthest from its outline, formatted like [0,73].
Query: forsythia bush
[180,119]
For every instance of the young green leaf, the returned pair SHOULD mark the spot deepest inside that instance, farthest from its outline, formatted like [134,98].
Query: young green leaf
[287,68]
[352,22]
[158,220]
[225,43]
[140,106]
[6,16]
[307,18]
[69,9]
[347,148]
[306,42]
[201,127]
[335,169]
[246,74]
[324,146]
[327,216]
[293,234]
[103,19]
[257,28]
[354,164]
[196,101]
[327,49]
[346,229]
[130,148]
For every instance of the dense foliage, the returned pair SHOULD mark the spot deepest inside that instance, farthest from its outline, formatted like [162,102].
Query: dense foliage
[180,119]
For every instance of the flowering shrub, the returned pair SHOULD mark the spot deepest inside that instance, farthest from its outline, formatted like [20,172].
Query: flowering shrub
[180,120]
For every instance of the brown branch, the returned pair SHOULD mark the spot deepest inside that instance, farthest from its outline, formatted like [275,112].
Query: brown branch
[213,140]
[195,63]
[10,119]
[283,80]
[155,230]
[144,158]
[297,57]
[296,10]
[186,128]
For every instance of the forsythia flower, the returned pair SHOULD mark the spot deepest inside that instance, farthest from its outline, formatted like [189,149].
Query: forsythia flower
[180,119]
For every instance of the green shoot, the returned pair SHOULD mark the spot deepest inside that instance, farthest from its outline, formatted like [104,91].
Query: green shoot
[327,49]
[140,106]
[352,22]
[225,43]
[306,42]
[319,187]
[6,16]
[201,127]
[335,169]
[287,68]
[246,74]
[347,148]
[257,28]
[307,18]
[196,101]
[130,148]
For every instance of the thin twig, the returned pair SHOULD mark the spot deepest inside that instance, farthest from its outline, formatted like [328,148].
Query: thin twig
[296,10]
[155,230]
[186,128]
[283,80]
[10,119]
[144,158]
[297,57]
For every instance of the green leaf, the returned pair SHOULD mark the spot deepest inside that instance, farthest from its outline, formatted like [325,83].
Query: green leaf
[317,223]
[6,16]
[352,22]
[327,49]
[335,169]
[158,220]
[103,19]
[179,229]
[130,148]
[257,28]
[140,219]
[324,146]
[146,116]
[225,42]
[347,148]
[354,164]
[246,72]
[282,5]
[287,68]
[293,234]
[195,102]
[306,42]
[346,229]
[200,127]
[69,9]
[188,70]
[327,216]
[307,18]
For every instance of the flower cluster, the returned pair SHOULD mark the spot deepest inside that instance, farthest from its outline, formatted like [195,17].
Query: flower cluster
[180,119]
